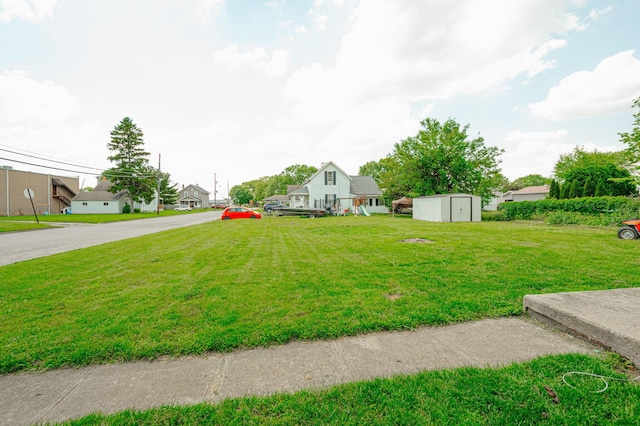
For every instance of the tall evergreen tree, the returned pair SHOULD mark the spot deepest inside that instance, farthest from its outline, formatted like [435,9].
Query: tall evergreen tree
[564,191]
[601,189]
[575,191]
[589,188]
[132,171]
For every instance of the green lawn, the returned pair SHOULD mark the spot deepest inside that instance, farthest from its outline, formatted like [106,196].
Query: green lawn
[6,226]
[513,395]
[230,284]
[94,218]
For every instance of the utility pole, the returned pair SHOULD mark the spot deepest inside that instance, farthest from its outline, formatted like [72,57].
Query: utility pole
[215,190]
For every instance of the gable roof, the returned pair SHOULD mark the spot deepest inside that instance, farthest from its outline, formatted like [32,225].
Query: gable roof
[542,189]
[196,187]
[100,193]
[324,166]
[364,185]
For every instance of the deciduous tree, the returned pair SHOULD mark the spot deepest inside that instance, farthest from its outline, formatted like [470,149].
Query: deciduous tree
[441,159]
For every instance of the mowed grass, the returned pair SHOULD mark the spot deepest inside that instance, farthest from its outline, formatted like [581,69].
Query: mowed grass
[93,218]
[230,284]
[21,226]
[513,395]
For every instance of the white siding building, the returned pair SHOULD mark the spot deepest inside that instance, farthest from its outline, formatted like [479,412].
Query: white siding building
[448,208]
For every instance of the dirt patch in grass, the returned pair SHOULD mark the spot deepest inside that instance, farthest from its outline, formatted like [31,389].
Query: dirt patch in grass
[416,241]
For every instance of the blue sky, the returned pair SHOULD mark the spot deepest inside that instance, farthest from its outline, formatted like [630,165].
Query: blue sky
[245,88]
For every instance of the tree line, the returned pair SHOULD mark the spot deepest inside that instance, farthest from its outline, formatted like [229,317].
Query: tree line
[440,159]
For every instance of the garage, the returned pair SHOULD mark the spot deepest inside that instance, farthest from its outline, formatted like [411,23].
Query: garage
[448,208]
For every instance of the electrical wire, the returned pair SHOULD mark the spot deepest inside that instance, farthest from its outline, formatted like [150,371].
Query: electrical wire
[52,161]
[603,378]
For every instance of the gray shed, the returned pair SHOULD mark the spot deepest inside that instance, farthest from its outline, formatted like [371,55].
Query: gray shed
[448,208]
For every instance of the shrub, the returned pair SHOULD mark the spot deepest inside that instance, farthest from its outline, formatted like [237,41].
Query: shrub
[126,208]
[136,210]
[603,210]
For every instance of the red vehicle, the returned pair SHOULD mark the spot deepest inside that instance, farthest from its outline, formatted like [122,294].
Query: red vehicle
[630,230]
[239,213]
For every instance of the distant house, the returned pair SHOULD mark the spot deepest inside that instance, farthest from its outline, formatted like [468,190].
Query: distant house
[530,193]
[193,196]
[51,193]
[102,201]
[332,187]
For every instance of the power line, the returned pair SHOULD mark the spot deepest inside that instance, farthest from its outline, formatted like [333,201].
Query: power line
[46,159]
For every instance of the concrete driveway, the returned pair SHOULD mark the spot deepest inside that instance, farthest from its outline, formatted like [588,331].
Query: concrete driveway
[19,246]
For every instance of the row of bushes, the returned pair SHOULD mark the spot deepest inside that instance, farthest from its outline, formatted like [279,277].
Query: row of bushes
[607,211]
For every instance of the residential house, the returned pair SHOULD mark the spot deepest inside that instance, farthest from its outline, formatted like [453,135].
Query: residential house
[193,196]
[332,187]
[530,193]
[101,201]
[51,193]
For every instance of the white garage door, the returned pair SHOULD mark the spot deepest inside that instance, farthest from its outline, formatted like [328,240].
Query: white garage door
[460,209]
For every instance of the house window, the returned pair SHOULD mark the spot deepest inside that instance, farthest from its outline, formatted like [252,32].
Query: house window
[186,193]
[84,204]
[329,178]
[329,200]
[105,203]
[195,194]
[370,202]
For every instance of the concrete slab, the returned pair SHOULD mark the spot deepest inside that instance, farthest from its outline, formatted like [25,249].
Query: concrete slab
[610,318]
[71,393]
[139,385]
[28,398]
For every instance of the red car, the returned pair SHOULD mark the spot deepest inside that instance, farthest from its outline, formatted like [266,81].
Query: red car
[239,213]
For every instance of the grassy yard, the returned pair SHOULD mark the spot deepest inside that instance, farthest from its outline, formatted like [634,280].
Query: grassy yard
[93,218]
[514,395]
[6,226]
[231,284]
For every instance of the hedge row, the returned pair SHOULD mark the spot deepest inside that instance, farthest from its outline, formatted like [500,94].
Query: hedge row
[615,209]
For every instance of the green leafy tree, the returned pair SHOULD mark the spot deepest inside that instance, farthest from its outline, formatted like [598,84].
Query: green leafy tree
[575,190]
[441,159]
[616,180]
[581,159]
[601,189]
[554,189]
[131,171]
[241,194]
[632,138]
[589,188]
[373,169]
[528,180]
[564,191]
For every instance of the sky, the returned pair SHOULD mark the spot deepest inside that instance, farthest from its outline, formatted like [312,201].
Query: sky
[228,91]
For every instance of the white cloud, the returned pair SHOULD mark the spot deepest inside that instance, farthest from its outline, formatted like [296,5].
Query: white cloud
[274,65]
[205,8]
[300,29]
[38,103]
[609,88]
[29,10]
[430,50]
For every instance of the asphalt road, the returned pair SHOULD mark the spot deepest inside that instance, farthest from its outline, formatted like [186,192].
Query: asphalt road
[20,246]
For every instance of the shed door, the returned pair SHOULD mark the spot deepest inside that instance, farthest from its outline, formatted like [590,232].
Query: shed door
[460,209]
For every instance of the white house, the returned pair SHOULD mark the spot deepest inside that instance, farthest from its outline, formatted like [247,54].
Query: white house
[101,201]
[448,208]
[332,187]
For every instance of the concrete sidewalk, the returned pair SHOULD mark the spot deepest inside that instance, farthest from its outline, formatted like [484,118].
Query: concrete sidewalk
[62,394]
[610,318]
